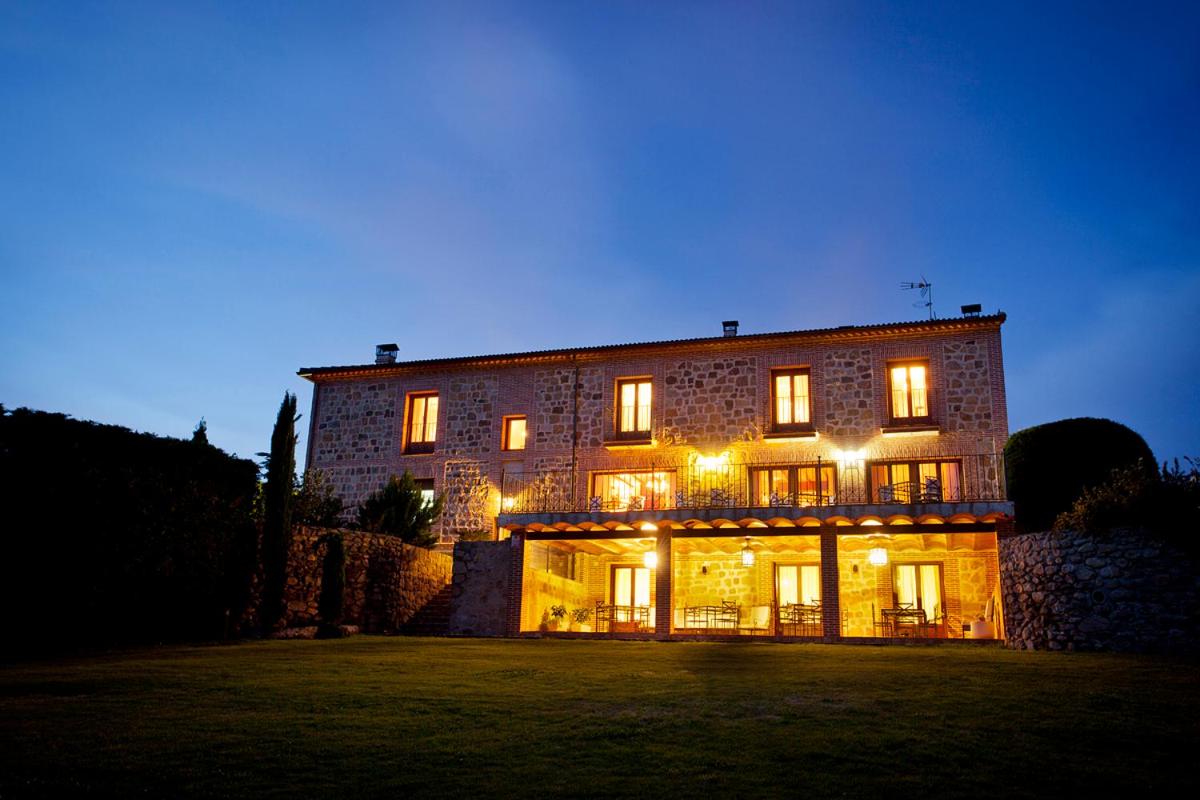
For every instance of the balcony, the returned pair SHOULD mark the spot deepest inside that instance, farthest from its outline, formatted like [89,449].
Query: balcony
[932,480]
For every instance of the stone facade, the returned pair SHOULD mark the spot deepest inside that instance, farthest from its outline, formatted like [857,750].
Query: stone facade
[968,386]
[470,414]
[710,402]
[479,600]
[467,488]
[1124,591]
[849,387]
[709,396]
[387,582]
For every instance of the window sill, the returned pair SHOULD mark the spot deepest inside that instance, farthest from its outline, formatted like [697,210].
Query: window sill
[790,435]
[628,444]
[921,428]
[419,450]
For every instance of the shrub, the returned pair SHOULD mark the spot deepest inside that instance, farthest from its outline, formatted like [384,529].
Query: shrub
[315,503]
[475,535]
[398,509]
[1168,504]
[114,536]
[1048,466]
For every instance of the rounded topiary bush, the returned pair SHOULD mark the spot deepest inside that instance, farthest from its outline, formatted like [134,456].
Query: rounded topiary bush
[1048,466]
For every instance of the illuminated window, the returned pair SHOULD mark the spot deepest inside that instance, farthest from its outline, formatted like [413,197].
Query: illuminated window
[917,482]
[798,584]
[633,408]
[919,586]
[630,592]
[632,491]
[790,399]
[794,485]
[427,493]
[514,434]
[422,422]
[909,390]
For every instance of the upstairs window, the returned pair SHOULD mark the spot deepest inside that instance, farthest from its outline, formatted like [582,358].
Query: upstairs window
[422,422]
[513,436]
[633,408]
[790,407]
[909,390]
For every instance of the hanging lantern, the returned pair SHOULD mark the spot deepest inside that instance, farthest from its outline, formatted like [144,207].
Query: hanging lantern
[747,554]
[650,559]
[878,556]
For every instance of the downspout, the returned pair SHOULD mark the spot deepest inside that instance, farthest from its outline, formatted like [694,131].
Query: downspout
[574,428]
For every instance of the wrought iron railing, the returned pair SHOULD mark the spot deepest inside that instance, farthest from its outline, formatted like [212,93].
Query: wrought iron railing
[932,479]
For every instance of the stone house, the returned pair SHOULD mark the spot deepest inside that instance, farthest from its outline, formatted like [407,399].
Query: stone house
[838,483]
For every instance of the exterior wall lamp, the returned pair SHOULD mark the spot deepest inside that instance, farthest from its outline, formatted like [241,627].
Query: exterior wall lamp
[747,554]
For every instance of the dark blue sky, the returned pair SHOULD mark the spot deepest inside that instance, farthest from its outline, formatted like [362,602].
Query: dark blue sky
[196,202]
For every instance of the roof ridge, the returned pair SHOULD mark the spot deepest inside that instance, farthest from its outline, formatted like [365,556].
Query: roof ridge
[998,317]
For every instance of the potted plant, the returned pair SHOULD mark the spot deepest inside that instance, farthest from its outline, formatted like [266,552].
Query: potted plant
[558,617]
[984,626]
[581,617]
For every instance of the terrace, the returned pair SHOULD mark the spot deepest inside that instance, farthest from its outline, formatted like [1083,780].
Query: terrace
[686,584]
[708,484]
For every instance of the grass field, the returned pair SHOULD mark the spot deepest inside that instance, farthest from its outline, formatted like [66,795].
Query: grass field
[368,717]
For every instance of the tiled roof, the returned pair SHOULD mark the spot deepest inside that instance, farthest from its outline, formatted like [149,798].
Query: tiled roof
[849,331]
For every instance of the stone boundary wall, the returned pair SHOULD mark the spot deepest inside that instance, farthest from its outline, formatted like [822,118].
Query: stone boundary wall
[1127,590]
[479,599]
[387,581]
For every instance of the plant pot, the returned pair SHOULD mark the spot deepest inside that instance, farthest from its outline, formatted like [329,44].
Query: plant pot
[982,629]
[553,624]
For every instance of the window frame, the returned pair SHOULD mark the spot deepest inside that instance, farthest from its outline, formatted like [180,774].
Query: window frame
[506,433]
[792,373]
[668,497]
[636,434]
[826,496]
[421,446]
[427,485]
[941,568]
[914,473]
[911,419]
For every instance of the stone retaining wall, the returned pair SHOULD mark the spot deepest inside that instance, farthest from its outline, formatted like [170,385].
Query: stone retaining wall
[479,599]
[1124,591]
[387,581]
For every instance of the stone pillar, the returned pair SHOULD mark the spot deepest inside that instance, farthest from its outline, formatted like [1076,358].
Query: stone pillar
[663,599]
[516,580]
[831,604]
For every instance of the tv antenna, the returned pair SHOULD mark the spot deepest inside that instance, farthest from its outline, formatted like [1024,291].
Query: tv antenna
[926,293]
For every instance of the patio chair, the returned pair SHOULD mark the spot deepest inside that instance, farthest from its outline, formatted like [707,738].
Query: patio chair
[931,491]
[594,503]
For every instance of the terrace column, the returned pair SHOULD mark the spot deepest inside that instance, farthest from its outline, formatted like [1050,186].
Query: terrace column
[516,580]
[831,605]
[663,600]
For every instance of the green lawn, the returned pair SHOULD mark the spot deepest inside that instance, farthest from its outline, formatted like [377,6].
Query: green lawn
[368,716]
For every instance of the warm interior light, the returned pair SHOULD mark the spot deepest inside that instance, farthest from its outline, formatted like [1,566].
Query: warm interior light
[508,503]
[713,463]
[649,526]
[747,554]
[845,457]
[878,556]
[650,559]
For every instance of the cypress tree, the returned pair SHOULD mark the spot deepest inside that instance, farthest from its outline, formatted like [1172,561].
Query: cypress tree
[277,510]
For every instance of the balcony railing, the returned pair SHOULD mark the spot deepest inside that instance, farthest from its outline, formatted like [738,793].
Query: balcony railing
[976,478]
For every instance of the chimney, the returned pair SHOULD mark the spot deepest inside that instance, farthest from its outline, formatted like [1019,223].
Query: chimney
[730,326]
[386,353]
[971,310]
